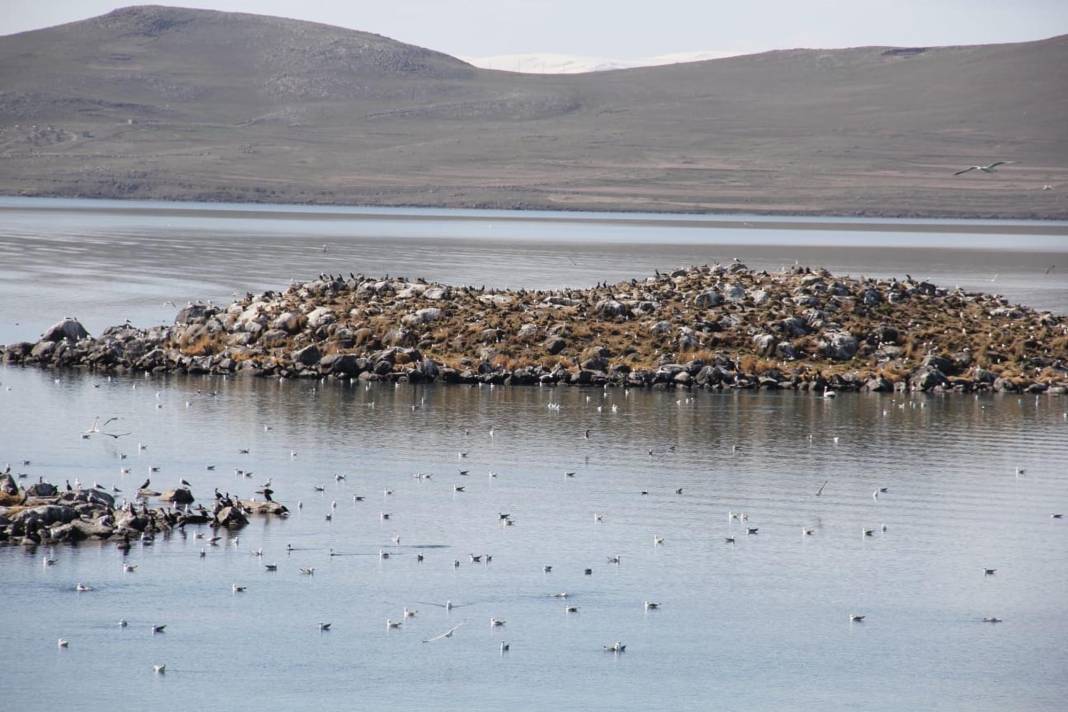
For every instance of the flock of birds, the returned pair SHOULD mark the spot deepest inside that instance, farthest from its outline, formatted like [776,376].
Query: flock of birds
[504,519]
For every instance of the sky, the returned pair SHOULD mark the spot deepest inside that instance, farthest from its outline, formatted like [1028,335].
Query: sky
[627,29]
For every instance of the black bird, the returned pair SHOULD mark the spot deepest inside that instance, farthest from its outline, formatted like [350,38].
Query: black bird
[185,483]
[145,484]
[267,492]
[69,488]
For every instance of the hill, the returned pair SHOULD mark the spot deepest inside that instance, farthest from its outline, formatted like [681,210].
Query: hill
[172,103]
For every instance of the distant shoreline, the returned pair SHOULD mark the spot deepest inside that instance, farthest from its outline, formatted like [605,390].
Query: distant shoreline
[1041,225]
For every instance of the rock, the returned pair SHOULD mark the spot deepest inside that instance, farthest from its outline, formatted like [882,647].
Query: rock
[8,485]
[42,489]
[554,345]
[47,514]
[871,297]
[611,308]
[320,316]
[288,322]
[69,329]
[399,337]
[231,518]
[192,314]
[308,356]
[764,344]
[708,299]
[878,384]
[734,293]
[340,364]
[436,293]
[422,316]
[527,332]
[839,345]
[43,350]
[927,378]
[660,328]
[181,495]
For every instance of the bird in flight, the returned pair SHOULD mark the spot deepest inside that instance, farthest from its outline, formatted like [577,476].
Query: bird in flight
[985,169]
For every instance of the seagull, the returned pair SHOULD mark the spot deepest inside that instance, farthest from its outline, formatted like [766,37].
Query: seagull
[547,569]
[990,168]
[854,618]
[868,532]
[271,567]
[562,594]
[157,628]
[159,669]
[807,532]
[616,647]
[82,588]
[728,540]
[392,624]
[505,647]
[651,605]
[323,627]
[308,571]
[570,609]
[129,568]
[63,643]
[992,619]
[752,530]
[446,634]
[496,623]
[989,572]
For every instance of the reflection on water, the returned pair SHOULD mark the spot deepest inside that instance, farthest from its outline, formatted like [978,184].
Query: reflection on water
[122,263]
[763,623]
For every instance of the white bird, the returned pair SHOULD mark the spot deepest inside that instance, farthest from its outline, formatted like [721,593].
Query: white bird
[989,168]
[392,625]
[83,588]
[159,669]
[323,627]
[496,623]
[651,605]
[158,628]
[446,634]
[123,623]
[63,643]
[854,618]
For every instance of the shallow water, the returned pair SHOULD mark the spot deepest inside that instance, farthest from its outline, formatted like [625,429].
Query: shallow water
[762,624]
[759,625]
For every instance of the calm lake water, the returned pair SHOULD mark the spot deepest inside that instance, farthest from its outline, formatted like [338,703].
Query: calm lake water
[762,624]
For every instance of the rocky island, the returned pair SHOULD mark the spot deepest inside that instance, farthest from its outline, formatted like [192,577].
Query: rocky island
[712,326]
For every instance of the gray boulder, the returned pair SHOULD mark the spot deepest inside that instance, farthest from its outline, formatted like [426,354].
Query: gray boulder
[308,356]
[708,299]
[554,345]
[839,345]
[69,329]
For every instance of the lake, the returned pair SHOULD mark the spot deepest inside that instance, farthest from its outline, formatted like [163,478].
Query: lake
[760,624]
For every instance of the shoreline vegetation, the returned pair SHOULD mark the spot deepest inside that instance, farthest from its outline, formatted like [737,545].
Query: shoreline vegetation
[711,326]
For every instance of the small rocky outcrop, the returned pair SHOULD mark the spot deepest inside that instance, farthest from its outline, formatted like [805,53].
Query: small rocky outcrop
[724,326]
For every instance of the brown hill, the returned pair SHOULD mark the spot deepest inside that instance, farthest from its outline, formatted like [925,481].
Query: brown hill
[158,102]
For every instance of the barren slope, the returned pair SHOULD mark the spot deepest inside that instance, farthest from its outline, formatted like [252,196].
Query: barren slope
[155,102]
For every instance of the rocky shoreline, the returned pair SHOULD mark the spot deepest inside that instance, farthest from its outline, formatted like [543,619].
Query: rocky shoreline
[44,514]
[718,326]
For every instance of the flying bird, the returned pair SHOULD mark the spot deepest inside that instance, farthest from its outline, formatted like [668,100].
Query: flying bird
[990,168]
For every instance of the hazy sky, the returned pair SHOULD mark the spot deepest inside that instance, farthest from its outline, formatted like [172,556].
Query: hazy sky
[629,28]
